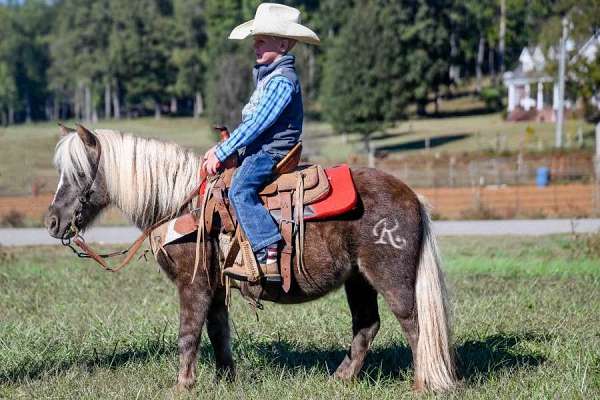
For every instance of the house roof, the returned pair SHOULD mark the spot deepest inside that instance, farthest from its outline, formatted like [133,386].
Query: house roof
[519,75]
[532,61]
[590,49]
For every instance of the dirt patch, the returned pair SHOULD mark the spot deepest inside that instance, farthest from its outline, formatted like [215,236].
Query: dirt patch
[32,210]
[489,202]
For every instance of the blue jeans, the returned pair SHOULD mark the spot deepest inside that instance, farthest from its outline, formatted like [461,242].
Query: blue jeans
[255,172]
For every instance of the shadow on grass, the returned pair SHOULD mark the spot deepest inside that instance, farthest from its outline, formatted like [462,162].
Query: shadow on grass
[470,112]
[38,369]
[477,359]
[421,144]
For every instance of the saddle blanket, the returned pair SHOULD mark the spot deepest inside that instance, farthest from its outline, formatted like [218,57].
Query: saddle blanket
[342,198]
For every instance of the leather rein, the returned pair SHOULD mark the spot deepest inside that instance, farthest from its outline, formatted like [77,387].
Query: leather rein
[89,252]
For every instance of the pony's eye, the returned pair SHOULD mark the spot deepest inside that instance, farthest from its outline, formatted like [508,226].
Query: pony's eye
[81,174]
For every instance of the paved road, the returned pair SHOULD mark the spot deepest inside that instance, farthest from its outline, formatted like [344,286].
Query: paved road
[117,235]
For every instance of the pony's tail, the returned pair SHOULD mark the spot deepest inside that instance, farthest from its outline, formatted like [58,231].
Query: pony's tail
[435,367]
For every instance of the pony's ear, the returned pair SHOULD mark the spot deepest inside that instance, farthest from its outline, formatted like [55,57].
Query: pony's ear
[65,130]
[86,136]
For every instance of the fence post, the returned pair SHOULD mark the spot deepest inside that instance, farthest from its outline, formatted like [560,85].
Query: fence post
[451,173]
[371,155]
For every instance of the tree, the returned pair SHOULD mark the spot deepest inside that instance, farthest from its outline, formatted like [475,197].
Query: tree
[23,28]
[362,84]
[187,56]
[8,88]
[79,49]
[229,63]
[140,52]
[8,94]
[477,30]
[388,54]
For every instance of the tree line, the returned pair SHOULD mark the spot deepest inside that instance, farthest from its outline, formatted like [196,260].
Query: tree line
[90,59]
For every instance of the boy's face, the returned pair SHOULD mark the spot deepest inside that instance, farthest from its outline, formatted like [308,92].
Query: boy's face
[270,48]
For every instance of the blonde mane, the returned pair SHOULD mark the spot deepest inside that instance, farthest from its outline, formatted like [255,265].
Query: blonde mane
[146,179]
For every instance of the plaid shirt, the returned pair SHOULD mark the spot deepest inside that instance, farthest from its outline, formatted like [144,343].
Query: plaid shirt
[276,97]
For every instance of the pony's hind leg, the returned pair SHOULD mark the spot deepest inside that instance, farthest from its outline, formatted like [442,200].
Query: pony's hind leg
[362,299]
[217,325]
[405,312]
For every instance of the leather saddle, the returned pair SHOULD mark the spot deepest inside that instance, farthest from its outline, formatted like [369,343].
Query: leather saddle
[299,193]
[294,187]
[305,183]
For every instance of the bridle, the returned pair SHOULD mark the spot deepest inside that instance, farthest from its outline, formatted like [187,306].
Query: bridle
[73,236]
[72,233]
[83,199]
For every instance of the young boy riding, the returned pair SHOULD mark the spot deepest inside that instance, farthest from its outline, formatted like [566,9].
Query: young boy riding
[271,125]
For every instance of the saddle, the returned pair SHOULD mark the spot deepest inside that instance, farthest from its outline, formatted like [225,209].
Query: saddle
[294,187]
[299,193]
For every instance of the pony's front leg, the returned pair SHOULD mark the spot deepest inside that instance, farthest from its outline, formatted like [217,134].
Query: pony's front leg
[194,302]
[219,333]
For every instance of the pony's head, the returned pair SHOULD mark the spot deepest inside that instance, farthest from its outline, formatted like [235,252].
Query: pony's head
[81,193]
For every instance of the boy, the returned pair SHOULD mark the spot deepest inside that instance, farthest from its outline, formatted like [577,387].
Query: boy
[271,126]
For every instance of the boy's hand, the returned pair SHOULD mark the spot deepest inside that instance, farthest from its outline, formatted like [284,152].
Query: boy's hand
[211,162]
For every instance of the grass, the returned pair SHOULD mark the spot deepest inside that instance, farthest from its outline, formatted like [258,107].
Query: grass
[526,325]
[26,150]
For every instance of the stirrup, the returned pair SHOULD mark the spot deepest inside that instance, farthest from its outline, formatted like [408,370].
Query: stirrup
[267,272]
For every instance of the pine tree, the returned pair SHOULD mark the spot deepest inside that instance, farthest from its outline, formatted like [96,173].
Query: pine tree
[388,54]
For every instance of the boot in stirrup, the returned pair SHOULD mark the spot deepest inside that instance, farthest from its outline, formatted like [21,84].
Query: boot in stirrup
[266,269]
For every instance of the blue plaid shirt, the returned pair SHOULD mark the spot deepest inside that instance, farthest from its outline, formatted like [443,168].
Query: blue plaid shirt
[277,95]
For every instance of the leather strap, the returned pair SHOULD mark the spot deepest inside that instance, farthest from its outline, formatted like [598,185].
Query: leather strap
[130,252]
[209,215]
[221,206]
[234,249]
[287,228]
[248,258]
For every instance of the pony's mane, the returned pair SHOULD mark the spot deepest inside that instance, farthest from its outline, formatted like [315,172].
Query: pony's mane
[146,178]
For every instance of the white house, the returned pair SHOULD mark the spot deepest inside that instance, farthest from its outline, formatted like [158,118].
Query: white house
[530,86]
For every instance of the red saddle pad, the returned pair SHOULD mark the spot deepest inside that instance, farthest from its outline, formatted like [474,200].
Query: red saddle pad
[342,195]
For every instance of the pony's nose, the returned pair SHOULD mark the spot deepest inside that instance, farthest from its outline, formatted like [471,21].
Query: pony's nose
[52,224]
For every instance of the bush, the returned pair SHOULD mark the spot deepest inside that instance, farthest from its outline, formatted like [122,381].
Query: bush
[492,96]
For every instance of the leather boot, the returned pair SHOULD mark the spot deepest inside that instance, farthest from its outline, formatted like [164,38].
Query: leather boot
[268,272]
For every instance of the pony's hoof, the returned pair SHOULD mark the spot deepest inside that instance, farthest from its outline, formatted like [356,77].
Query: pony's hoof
[183,387]
[343,375]
[225,374]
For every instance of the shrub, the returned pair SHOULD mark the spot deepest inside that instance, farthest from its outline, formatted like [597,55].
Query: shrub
[492,96]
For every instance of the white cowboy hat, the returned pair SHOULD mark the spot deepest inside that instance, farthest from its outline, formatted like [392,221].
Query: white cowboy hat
[275,20]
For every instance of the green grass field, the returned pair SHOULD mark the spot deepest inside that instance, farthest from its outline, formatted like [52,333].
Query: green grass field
[526,326]
[26,150]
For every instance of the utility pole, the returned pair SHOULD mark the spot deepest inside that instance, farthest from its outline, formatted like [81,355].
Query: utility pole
[560,113]
[502,34]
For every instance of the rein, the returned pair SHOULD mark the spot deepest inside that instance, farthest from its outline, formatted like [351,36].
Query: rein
[87,251]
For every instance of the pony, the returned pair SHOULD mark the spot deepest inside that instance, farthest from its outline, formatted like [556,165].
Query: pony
[385,246]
